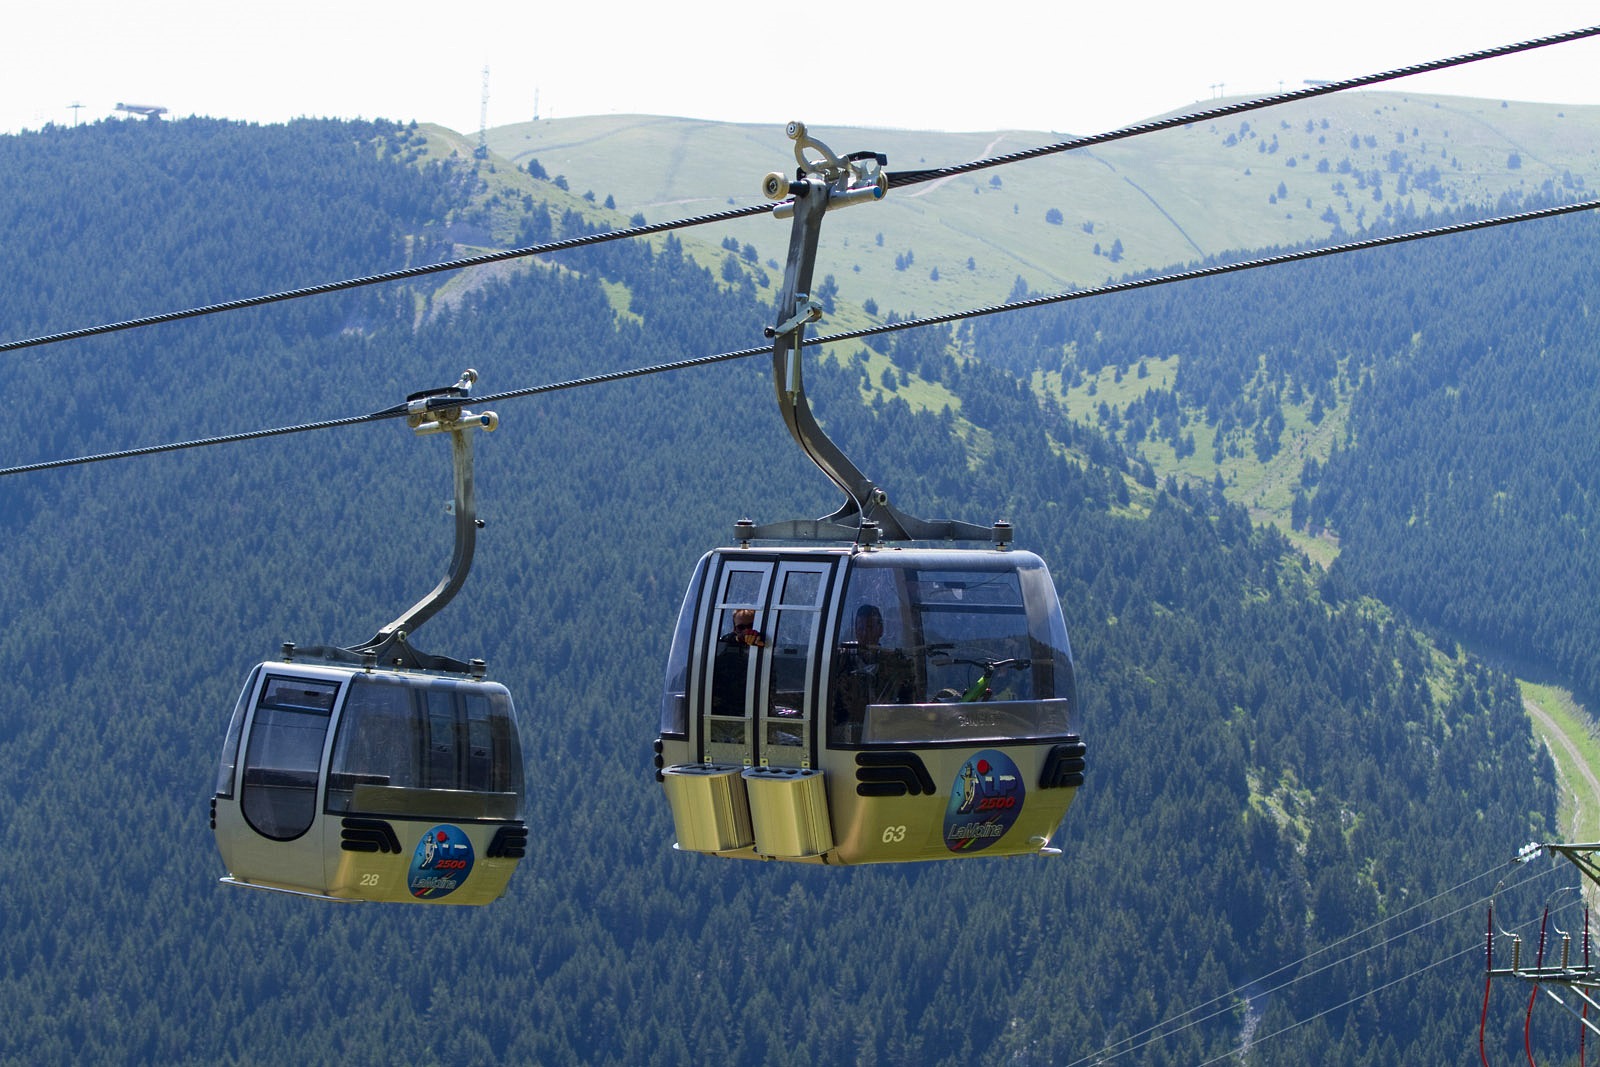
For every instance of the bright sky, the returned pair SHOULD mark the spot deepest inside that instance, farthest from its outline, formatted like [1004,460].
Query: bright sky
[1071,66]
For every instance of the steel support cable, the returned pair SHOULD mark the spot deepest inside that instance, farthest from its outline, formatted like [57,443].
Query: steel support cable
[1113,1051]
[398,411]
[914,177]
[178,446]
[1214,270]
[1358,998]
[387,276]
[896,180]
[871,331]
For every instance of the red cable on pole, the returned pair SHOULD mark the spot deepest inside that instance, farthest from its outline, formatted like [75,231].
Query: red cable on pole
[1583,1019]
[1488,966]
[1538,962]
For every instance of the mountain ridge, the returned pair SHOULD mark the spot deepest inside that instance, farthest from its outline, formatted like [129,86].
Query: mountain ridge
[1204,189]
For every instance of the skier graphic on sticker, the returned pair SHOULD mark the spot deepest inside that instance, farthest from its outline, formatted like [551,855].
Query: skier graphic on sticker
[985,800]
[441,863]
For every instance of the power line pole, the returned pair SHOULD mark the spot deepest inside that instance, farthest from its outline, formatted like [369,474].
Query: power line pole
[1576,979]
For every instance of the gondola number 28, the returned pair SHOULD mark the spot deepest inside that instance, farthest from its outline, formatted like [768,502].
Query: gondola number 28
[893,835]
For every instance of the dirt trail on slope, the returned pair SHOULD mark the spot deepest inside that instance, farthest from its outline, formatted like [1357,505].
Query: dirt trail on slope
[1575,773]
[988,150]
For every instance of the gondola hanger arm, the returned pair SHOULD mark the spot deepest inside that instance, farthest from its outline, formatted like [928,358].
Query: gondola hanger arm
[825,180]
[429,412]
[444,411]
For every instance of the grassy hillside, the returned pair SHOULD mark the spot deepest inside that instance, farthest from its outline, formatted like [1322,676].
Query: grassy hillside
[1568,732]
[1275,177]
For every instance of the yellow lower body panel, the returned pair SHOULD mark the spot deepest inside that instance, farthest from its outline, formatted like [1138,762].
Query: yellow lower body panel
[710,810]
[789,812]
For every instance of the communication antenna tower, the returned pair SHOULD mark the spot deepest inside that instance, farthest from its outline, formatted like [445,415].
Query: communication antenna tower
[483,118]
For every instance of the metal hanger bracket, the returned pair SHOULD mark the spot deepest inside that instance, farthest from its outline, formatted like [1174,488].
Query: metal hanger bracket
[824,181]
[430,412]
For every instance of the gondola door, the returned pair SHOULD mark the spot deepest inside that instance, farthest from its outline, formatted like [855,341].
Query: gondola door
[766,622]
[733,651]
[791,710]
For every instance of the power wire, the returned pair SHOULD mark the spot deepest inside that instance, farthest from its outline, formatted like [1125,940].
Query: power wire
[1232,1053]
[896,179]
[1151,1034]
[1357,999]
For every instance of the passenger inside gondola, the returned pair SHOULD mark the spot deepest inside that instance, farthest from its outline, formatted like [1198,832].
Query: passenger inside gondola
[867,672]
[730,671]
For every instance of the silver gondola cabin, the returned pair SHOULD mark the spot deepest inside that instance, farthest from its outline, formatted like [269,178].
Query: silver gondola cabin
[379,772]
[860,703]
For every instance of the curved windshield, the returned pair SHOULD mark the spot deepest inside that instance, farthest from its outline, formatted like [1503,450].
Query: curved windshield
[988,720]
[432,747]
[230,744]
[674,698]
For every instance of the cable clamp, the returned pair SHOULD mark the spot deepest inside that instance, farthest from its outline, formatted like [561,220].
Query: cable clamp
[455,419]
[804,312]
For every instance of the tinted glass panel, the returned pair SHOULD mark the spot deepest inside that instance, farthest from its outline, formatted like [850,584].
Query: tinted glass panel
[879,657]
[795,626]
[378,740]
[790,646]
[801,587]
[743,587]
[444,747]
[975,625]
[403,738]
[925,630]
[284,755]
[740,635]
[977,721]
[478,764]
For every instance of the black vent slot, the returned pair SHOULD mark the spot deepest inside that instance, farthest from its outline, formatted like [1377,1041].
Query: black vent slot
[368,835]
[1063,767]
[510,842]
[892,774]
